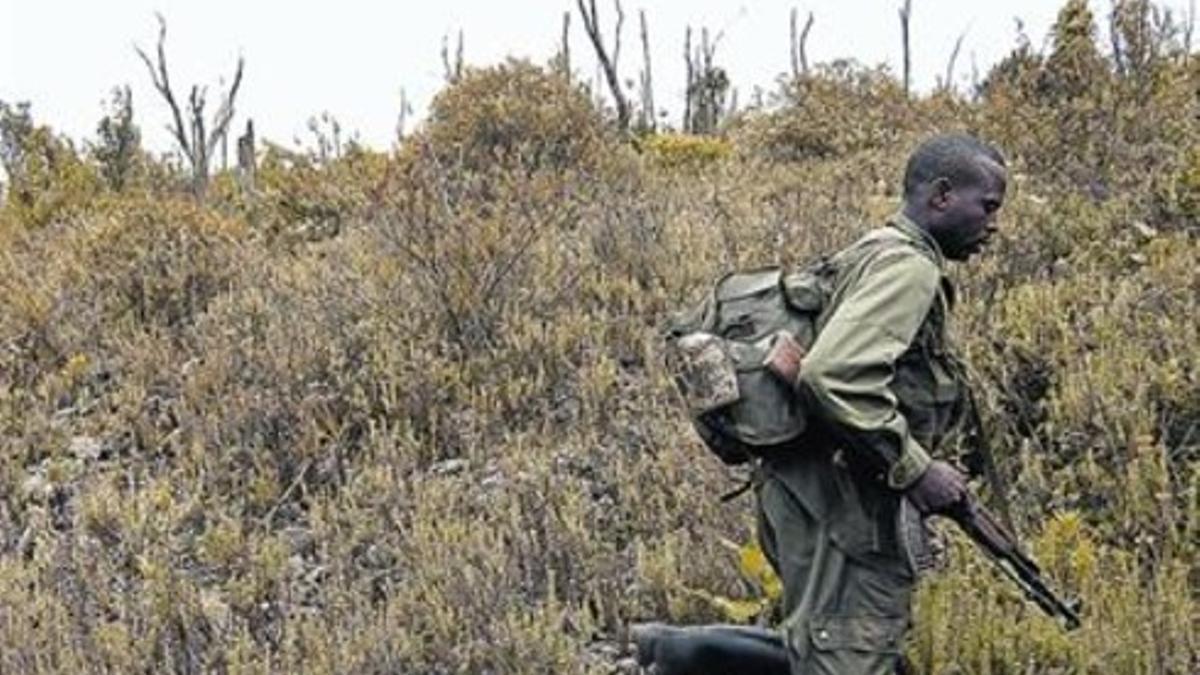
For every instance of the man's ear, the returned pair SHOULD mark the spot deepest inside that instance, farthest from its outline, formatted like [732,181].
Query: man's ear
[939,194]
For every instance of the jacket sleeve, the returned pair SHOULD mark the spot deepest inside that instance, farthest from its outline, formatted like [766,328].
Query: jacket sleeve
[849,369]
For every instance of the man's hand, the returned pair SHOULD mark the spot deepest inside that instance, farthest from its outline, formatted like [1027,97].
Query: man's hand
[784,357]
[938,490]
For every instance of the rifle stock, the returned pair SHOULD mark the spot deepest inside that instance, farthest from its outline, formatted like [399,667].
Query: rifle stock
[1001,547]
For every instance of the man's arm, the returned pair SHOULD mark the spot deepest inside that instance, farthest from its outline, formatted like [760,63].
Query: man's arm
[849,369]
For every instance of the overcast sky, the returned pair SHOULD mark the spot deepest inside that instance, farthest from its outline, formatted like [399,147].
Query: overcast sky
[353,57]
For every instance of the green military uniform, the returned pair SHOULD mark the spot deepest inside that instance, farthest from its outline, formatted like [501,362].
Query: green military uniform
[888,391]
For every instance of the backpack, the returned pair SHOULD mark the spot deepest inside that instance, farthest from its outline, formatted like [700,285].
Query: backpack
[716,349]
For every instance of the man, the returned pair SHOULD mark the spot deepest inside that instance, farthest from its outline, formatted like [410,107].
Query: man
[883,382]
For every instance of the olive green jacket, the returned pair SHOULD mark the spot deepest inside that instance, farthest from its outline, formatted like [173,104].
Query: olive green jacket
[884,383]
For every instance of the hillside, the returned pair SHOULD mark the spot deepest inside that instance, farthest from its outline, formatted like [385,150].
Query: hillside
[405,412]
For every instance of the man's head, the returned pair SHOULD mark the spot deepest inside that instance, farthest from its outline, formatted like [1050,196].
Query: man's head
[953,187]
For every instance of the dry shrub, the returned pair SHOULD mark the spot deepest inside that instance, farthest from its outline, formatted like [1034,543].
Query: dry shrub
[840,109]
[306,196]
[516,114]
[49,182]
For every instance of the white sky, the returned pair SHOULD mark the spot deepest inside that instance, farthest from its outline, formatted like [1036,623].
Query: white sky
[352,57]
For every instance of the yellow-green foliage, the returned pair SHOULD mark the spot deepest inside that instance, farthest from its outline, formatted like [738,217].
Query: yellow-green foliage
[406,413]
[50,182]
[679,151]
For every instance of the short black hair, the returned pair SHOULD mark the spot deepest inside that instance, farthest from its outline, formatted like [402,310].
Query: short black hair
[951,156]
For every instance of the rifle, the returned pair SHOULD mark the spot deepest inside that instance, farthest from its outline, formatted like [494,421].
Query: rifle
[1002,549]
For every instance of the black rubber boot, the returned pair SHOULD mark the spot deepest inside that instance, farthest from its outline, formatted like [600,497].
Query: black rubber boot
[709,650]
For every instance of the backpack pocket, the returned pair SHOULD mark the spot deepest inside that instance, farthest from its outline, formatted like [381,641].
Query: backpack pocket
[705,372]
[767,412]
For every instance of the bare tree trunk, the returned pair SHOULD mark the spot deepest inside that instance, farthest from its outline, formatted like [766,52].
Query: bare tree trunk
[948,84]
[565,53]
[609,62]
[975,82]
[402,119]
[691,78]
[1114,35]
[247,157]
[799,45]
[649,116]
[795,51]
[452,69]
[707,84]
[905,16]
[1188,28]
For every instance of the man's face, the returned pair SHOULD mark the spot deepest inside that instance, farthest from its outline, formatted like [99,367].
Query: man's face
[965,216]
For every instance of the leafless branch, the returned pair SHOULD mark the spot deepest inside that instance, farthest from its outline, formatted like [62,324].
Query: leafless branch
[609,62]
[799,48]
[197,142]
[948,84]
[162,82]
[224,114]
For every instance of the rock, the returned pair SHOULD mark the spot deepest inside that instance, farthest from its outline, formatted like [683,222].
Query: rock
[216,610]
[37,489]
[1145,230]
[449,467]
[300,540]
[86,448]
[627,666]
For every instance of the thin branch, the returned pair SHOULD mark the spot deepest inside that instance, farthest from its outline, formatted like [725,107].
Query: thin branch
[799,44]
[221,120]
[948,84]
[804,44]
[162,82]
[609,64]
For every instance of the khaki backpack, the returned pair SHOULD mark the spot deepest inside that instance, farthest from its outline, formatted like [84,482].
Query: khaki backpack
[716,351]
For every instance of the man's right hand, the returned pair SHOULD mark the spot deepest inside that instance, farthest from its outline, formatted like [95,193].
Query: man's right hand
[941,488]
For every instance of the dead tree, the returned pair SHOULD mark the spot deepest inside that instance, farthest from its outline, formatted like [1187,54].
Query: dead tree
[564,54]
[707,85]
[799,45]
[608,61]
[453,69]
[905,16]
[691,76]
[196,139]
[1188,27]
[948,84]
[247,164]
[406,111]
[646,80]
